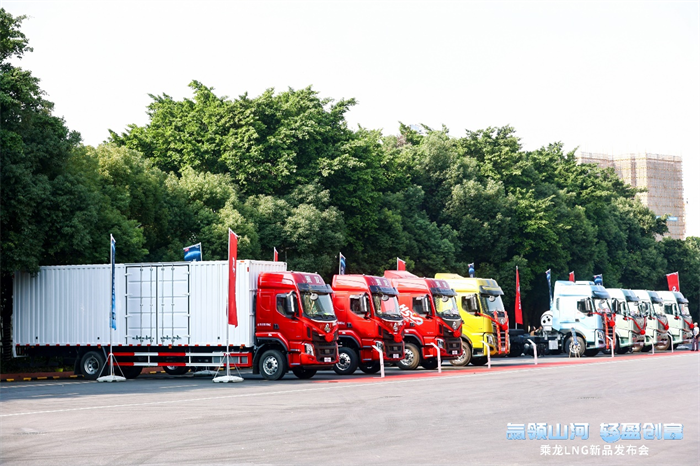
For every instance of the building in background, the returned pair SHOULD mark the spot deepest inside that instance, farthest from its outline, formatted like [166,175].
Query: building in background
[660,175]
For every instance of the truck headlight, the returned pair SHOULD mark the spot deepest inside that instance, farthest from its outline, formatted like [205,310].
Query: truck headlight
[489,339]
[441,343]
[309,348]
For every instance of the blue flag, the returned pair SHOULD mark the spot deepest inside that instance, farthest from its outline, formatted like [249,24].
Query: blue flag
[193,253]
[471,270]
[341,265]
[112,254]
[598,279]
[549,287]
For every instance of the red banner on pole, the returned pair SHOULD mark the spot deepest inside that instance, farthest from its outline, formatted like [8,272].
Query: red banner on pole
[673,283]
[400,265]
[518,306]
[276,255]
[232,263]
[571,277]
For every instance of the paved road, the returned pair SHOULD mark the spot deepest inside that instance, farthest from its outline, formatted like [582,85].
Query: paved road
[457,417]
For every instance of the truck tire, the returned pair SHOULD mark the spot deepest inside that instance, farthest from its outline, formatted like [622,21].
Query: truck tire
[516,350]
[664,345]
[92,364]
[176,370]
[568,346]
[370,367]
[589,353]
[273,365]
[646,348]
[347,361]
[302,373]
[412,359]
[480,361]
[129,372]
[466,356]
[429,364]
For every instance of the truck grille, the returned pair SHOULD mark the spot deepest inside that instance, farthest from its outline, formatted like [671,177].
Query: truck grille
[391,348]
[323,349]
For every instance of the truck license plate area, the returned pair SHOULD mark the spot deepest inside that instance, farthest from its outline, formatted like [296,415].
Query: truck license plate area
[326,359]
[395,356]
[454,352]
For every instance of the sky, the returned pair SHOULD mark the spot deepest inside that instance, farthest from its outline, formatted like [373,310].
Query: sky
[608,77]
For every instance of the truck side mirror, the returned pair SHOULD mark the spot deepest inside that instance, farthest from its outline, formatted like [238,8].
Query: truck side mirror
[291,304]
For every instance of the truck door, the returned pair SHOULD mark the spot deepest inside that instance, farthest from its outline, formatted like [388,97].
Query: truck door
[173,304]
[360,317]
[285,320]
[141,305]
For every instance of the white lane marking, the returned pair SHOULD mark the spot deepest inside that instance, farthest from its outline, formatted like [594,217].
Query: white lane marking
[32,385]
[319,389]
[179,386]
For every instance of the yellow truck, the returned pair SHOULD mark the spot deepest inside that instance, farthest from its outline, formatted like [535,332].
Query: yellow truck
[485,318]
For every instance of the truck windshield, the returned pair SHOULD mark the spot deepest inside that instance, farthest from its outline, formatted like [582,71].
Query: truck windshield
[634,308]
[601,305]
[658,308]
[684,309]
[386,306]
[491,303]
[446,306]
[317,306]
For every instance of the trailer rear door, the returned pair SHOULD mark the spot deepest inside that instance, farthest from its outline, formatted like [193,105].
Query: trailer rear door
[158,304]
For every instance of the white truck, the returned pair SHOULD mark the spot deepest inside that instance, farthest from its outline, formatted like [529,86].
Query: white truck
[679,321]
[580,316]
[652,307]
[175,315]
[630,324]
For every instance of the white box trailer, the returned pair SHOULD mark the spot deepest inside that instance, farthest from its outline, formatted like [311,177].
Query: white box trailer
[64,310]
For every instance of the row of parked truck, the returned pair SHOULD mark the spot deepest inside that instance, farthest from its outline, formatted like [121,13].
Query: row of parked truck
[174,315]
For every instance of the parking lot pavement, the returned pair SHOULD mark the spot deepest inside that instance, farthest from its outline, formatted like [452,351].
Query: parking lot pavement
[420,417]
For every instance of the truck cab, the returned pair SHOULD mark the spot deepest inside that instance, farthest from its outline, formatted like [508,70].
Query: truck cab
[630,323]
[581,316]
[679,321]
[369,317]
[431,317]
[485,326]
[651,306]
[295,325]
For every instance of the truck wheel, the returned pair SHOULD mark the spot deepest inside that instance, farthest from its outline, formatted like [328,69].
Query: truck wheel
[572,349]
[273,365]
[646,348]
[412,358]
[347,361]
[370,367]
[176,370]
[591,352]
[92,364]
[480,361]
[466,356]
[129,372]
[302,373]
[618,347]
[516,350]
[429,364]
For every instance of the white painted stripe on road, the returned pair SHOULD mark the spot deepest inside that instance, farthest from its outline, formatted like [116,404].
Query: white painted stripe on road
[319,389]
[16,385]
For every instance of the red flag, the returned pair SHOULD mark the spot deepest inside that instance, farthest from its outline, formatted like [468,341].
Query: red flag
[400,265]
[518,306]
[276,255]
[673,283]
[232,257]
[571,277]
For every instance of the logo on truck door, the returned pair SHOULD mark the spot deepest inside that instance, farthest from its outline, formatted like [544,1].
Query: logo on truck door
[410,315]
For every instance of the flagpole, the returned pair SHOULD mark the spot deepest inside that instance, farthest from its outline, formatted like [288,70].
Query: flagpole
[228,378]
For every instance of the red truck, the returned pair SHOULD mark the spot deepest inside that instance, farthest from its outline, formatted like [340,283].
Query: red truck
[368,315]
[174,315]
[431,316]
